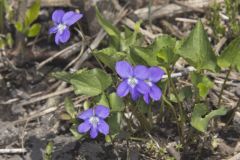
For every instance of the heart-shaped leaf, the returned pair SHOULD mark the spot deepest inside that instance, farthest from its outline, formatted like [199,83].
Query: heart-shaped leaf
[68,104]
[202,82]
[197,50]
[231,55]
[141,55]
[34,30]
[32,13]
[116,103]
[114,122]
[109,56]
[200,119]
[91,83]
[111,30]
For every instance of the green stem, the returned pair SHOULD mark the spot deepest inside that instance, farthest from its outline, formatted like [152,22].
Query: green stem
[150,115]
[142,119]
[238,103]
[182,117]
[179,125]
[175,92]
[224,83]
[129,124]
[150,12]
[138,139]
[1,16]
[233,111]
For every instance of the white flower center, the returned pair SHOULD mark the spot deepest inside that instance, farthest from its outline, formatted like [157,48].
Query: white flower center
[61,28]
[149,83]
[132,82]
[94,121]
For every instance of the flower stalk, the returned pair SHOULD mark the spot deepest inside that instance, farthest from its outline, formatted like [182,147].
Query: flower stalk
[223,86]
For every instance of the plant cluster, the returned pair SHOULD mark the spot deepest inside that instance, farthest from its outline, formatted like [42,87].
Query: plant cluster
[223,19]
[140,68]
[135,77]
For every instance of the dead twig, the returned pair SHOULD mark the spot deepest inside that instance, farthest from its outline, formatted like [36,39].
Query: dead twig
[186,5]
[13,150]
[173,29]
[37,99]
[73,48]
[128,22]
[186,20]
[101,34]
[53,3]
[220,45]
[172,9]
[45,111]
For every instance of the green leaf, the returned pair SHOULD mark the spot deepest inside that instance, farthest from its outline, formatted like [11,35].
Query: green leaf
[167,56]
[199,121]
[231,55]
[109,56]
[202,82]
[76,135]
[65,117]
[69,106]
[9,40]
[129,38]
[91,83]
[48,151]
[197,50]
[34,30]
[140,55]
[142,106]
[204,87]
[2,43]
[18,26]
[163,47]
[164,41]
[65,76]
[102,100]
[114,122]
[184,93]
[32,13]
[111,30]
[116,103]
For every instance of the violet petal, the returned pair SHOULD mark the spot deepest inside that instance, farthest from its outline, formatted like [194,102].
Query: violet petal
[123,89]
[146,98]
[155,74]
[155,92]
[93,132]
[142,87]
[64,37]
[57,16]
[86,114]
[140,72]
[124,69]
[102,111]
[57,37]
[52,30]
[103,127]
[71,17]
[84,127]
[134,93]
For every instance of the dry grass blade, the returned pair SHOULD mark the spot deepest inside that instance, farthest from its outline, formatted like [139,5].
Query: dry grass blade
[73,48]
[173,9]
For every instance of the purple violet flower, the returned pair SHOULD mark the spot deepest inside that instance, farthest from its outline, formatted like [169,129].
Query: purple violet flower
[133,79]
[62,22]
[154,75]
[94,121]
